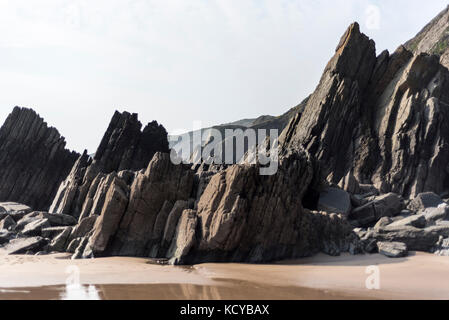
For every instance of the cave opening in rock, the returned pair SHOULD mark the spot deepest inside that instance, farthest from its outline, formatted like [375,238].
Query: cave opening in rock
[310,199]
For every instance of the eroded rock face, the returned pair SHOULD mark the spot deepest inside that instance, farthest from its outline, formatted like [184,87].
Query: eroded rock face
[413,132]
[384,120]
[33,160]
[124,148]
[247,217]
[134,218]
[239,216]
[333,113]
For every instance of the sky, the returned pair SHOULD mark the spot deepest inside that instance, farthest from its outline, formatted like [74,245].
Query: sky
[179,61]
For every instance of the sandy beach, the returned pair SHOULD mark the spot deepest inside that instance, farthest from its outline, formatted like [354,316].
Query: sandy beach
[419,276]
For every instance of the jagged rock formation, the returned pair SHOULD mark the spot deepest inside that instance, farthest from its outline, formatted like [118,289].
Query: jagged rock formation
[333,111]
[371,143]
[123,147]
[241,216]
[133,221]
[433,38]
[385,120]
[33,159]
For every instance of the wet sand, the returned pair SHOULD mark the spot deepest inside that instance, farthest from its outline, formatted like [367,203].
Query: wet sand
[230,290]
[420,276]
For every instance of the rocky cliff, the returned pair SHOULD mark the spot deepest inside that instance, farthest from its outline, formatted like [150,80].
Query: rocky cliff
[363,168]
[383,119]
[240,216]
[33,159]
[125,146]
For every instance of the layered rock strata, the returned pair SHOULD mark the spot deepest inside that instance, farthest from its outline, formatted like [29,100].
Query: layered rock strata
[240,216]
[33,159]
[124,147]
[384,120]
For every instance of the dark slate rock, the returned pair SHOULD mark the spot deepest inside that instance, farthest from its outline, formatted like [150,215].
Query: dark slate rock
[393,249]
[24,245]
[33,160]
[7,223]
[424,201]
[35,227]
[125,146]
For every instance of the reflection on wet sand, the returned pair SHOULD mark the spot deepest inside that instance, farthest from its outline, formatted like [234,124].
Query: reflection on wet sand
[229,291]
[419,276]
[80,292]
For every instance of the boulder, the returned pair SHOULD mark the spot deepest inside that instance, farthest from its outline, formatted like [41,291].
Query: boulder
[13,207]
[416,239]
[35,227]
[424,201]
[15,210]
[7,223]
[334,200]
[25,221]
[55,220]
[388,205]
[417,221]
[393,249]
[58,220]
[433,215]
[24,245]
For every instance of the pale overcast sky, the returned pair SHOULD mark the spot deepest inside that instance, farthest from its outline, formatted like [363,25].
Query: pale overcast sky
[179,61]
